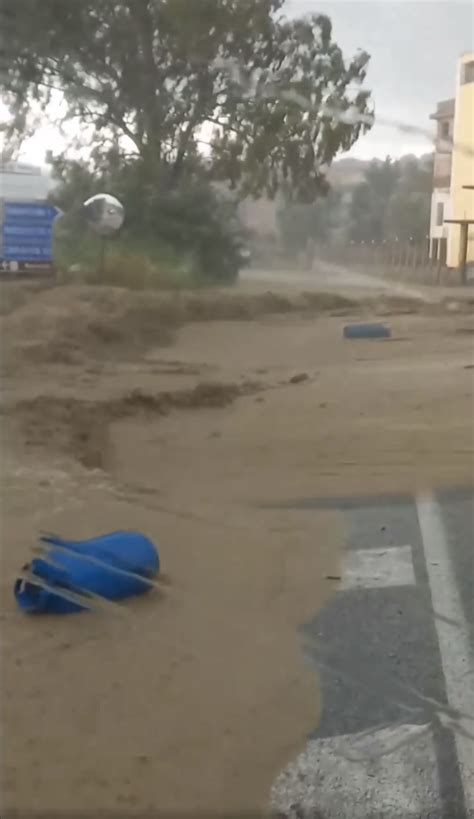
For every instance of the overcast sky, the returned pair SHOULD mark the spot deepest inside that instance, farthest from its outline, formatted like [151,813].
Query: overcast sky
[414,46]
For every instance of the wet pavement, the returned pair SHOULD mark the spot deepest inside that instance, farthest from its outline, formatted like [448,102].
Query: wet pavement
[393,650]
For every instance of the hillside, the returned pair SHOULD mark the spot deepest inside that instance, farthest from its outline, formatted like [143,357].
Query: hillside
[349,171]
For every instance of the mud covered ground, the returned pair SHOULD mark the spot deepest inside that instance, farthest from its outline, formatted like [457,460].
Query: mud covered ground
[190,417]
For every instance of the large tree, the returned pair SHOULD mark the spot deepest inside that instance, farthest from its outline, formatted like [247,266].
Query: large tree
[272,97]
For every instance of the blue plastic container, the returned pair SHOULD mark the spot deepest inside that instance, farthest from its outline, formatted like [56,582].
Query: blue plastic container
[127,551]
[366,331]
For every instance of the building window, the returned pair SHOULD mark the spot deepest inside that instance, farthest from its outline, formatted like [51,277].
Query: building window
[467,74]
[439,214]
[445,130]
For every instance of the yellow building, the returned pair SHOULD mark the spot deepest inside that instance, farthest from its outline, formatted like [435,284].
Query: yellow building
[461,233]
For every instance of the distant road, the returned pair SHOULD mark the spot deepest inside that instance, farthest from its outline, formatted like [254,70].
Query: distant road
[327,276]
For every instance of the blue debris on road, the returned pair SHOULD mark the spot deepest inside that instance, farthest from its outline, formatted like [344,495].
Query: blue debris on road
[365,330]
[112,566]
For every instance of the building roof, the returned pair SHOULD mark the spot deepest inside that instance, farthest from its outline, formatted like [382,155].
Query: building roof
[444,110]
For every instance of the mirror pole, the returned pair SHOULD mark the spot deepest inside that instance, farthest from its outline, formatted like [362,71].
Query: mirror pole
[102,257]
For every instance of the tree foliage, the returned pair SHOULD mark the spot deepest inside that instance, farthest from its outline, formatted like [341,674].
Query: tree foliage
[194,223]
[300,224]
[155,78]
[371,202]
[393,201]
[168,98]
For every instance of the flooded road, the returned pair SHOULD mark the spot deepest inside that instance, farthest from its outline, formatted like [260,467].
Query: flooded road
[230,443]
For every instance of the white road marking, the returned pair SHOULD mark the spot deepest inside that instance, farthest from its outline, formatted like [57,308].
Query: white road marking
[394,770]
[399,779]
[453,633]
[376,568]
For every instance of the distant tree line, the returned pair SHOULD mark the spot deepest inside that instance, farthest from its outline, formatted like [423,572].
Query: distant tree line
[392,202]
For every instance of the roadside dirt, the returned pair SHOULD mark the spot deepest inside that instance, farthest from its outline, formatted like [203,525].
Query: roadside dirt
[181,416]
[74,324]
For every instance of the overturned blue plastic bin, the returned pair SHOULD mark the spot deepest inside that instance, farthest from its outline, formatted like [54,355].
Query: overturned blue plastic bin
[367,330]
[117,552]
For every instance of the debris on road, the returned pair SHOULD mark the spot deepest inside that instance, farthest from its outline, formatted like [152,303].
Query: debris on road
[71,575]
[298,378]
[366,330]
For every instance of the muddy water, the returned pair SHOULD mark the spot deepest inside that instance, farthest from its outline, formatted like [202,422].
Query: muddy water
[197,699]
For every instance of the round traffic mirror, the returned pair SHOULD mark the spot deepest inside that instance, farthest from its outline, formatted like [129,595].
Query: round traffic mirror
[104,214]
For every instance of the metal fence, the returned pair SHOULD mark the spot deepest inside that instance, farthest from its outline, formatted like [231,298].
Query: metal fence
[399,260]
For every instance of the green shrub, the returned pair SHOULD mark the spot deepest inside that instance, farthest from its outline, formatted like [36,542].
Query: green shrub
[175,232]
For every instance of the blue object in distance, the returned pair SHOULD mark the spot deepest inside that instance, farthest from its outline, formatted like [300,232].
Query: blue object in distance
[128,551]
[366,331]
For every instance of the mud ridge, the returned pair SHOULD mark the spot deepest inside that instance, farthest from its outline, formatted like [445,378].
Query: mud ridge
[79,427]
[72,324]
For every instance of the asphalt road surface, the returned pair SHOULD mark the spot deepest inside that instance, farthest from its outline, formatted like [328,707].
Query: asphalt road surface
[394,652]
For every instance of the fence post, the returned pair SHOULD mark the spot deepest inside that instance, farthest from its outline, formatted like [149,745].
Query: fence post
[425,255]
[438,269]
[415,257]
[399,257]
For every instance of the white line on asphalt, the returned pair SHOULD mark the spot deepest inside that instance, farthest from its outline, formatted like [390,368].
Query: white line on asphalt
[453,634]
[377,568]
